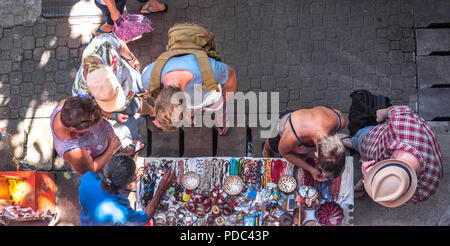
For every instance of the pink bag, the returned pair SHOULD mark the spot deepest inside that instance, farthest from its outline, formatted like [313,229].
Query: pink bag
[131,26]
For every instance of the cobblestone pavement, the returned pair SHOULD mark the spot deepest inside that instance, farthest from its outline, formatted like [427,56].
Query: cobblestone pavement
[312,52]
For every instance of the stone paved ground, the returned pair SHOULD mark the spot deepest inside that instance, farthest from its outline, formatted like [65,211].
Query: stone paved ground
[311,52]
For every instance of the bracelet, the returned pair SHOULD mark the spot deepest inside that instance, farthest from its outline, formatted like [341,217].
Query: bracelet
[129,60]
[115,116]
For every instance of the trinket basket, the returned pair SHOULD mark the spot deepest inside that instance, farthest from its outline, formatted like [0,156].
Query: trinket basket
[216,191]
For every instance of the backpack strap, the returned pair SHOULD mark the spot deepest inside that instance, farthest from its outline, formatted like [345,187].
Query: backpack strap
[209,82]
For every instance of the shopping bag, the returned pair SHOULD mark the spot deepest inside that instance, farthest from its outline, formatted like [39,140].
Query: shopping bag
[132,26]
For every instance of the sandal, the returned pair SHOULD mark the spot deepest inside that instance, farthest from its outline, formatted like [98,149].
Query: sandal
[151,12]
[100,32]
[228,130]
[136,145]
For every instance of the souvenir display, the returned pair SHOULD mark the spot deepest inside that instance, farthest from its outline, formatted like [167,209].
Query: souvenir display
[330,214]
[286,219]
[287,184]
[240,191]
[233,185]
[191,180]
[312,223]
[308,196]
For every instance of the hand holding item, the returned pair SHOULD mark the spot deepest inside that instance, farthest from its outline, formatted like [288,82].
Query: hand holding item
[366,166]
[115,14]
[122,118]
[317,175]
[167,180]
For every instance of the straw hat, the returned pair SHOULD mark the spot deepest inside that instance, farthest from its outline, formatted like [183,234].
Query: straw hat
[104,86]
[390,182]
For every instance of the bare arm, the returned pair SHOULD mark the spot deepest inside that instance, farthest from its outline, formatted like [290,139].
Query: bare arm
[125,52]
[287,148]
[230,85]
[81,160]
[167,181]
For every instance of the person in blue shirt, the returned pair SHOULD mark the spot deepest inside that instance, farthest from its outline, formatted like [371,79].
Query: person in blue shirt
[182,74]
[101,203]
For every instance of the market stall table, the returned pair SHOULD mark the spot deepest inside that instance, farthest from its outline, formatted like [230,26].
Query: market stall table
[231,191]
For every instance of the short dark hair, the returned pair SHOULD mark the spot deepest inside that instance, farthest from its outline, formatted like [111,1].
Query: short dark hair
[118,172]
[80,113]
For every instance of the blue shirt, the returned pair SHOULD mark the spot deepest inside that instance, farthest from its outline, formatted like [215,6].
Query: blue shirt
[101,208]
[190,63]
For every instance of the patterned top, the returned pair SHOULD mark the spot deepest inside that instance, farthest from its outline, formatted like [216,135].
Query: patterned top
[96,139]
[406,131]
[106,48]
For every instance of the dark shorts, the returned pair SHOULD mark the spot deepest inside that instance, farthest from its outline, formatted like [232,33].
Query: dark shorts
[273,142]
[120,5]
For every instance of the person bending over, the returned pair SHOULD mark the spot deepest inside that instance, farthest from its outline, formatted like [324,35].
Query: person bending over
[81,136]
[305,131]
[401,158]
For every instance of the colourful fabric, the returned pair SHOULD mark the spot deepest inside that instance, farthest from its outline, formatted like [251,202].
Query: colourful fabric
[101,208]
[95,140]
[106,48]
[131,26]
[406,131]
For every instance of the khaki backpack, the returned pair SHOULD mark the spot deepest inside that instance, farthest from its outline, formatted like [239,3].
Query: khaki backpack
[186,39]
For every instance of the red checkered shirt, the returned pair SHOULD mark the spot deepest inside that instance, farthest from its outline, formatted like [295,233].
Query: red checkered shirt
[407,131]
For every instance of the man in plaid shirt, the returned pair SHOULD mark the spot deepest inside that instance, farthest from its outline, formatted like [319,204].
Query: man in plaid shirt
[404,137]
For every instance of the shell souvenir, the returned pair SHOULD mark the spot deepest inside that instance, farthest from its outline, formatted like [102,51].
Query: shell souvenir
[287,184]
[233,185]
[309,196]
[191,180]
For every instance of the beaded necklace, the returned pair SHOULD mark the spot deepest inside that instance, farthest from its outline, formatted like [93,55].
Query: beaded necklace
[233,166]
[267,172]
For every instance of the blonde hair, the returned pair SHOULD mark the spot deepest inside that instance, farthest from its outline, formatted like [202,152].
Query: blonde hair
[331,152]
[164,108]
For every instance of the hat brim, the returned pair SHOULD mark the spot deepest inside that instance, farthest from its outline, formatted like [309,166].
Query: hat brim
[116,104]
[403,199]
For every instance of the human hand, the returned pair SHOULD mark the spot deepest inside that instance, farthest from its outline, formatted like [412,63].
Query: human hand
[122,118]
[317,175]
[115,14]
[114,143]
[382,114]
[366,166]
[167,180]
